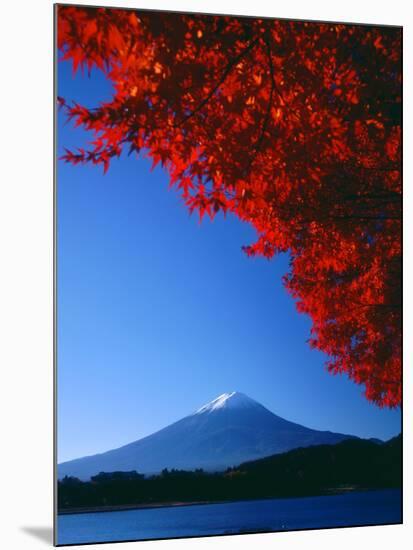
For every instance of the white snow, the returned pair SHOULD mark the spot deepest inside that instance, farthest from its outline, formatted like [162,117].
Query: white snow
[227,400]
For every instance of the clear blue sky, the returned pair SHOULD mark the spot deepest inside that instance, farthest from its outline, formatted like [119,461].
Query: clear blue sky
[158,314]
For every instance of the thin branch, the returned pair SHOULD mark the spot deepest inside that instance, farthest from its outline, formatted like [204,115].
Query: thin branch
[224,75]
[267,114]
[257,146]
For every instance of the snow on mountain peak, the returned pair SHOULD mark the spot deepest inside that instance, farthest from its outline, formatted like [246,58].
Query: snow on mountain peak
[233,400]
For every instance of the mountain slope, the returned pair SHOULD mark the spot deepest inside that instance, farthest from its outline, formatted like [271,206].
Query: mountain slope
[229,430]
[351,464]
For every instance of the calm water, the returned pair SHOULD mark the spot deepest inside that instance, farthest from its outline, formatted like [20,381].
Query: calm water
[374,507]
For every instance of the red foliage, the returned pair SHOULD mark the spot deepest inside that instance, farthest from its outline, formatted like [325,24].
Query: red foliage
[292,126]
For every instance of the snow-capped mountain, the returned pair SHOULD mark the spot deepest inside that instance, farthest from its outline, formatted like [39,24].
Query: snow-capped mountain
[231,429]
[233,400]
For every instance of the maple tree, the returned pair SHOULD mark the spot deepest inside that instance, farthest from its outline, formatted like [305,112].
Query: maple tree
[294,127]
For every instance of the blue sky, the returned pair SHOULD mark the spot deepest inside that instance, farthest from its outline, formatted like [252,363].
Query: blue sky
[158,314]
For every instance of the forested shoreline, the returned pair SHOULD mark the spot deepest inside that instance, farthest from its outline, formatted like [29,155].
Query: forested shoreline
[319,470]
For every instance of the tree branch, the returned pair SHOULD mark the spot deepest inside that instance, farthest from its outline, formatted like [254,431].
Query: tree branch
[224,75]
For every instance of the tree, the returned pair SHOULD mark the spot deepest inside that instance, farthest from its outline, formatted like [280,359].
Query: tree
[293,127]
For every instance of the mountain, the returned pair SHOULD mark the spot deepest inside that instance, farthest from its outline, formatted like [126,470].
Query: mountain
[231,429]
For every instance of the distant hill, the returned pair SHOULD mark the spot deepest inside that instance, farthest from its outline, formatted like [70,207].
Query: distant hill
[323,469]
[231,429]
[349,464]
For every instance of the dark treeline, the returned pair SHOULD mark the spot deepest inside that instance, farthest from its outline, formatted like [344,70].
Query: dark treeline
[322,469]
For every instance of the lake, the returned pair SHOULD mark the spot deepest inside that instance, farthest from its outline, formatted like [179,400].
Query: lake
[358,508]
